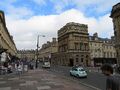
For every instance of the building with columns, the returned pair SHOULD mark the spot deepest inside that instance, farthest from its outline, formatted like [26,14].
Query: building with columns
[7,45]
[26,55]
[73,45]
[115,15]
[102,50]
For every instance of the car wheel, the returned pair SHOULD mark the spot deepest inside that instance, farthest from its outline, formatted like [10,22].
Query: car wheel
[70,74]
[77,75]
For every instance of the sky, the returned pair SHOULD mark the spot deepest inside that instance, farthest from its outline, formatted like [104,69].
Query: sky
[26,19]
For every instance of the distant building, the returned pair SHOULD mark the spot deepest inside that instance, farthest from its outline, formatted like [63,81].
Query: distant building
[115,15]
[73,47]
[8,48]
[48,49]
[101,50]
[26,54]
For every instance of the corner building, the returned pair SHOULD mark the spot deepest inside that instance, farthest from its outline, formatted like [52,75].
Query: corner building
[115,15]
[73,45]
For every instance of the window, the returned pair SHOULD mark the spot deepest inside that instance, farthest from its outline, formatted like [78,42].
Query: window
[111,54]
[75,69]
[81,46]
[76,59]
[81,69]
[76,46]
[107,54]
[91,44]
[81,59]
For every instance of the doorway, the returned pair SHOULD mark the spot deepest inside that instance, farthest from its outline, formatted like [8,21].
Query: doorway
[70,62]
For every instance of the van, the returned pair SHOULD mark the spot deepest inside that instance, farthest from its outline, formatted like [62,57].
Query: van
[46,65]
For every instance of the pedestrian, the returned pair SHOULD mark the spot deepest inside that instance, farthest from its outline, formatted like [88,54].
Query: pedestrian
[112,81]
[20,69]
[9,68]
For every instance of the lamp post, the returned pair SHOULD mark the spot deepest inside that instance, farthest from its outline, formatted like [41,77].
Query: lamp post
[37,49]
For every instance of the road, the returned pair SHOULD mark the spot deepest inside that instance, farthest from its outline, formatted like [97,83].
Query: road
[94,79]
[39,79]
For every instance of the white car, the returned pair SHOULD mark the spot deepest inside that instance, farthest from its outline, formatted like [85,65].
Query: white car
[46,65]
[78,72]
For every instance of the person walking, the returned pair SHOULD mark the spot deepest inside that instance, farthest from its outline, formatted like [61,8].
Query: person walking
[20,69]
[112,81]
[9,68]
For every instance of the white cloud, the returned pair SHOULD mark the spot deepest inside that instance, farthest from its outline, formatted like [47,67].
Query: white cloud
[25,31]
[103,26]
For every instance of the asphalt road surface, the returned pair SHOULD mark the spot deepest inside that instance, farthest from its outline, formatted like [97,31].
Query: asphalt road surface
[94,79]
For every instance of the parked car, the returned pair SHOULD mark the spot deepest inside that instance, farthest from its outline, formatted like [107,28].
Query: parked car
[46,65]
[78,72]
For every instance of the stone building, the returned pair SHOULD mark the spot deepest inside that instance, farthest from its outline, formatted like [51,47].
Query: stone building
[101,50]
[115,15]
[26,54]
[73,47]
[96,48]
[7,46]
[48,49]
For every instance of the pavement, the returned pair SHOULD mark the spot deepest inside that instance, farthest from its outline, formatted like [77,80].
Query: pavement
[39,79]
[97,70]
[94,80]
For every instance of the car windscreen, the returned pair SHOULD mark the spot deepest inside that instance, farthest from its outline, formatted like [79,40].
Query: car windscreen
[81,69]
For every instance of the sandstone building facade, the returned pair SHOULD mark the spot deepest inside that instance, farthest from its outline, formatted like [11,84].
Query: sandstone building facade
[115,15]
[102,50]
[47,50]
[7,45]
[26,55]
[73,45]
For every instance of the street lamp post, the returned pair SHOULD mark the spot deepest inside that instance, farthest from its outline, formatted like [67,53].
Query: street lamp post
[37,49]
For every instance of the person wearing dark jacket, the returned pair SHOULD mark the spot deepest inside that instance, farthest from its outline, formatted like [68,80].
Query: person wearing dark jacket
[112,81]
